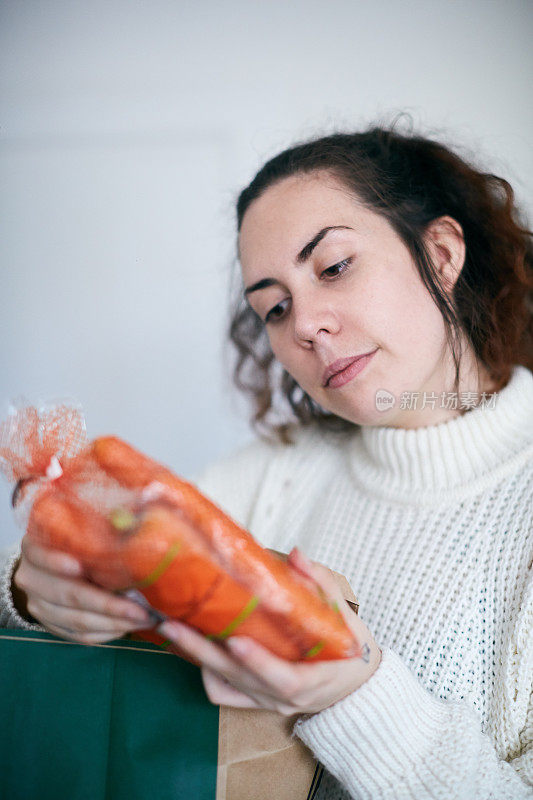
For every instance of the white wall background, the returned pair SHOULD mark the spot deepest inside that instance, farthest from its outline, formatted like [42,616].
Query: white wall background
[128,128]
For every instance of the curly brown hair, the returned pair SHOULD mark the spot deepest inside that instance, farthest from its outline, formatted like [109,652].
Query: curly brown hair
[410,180]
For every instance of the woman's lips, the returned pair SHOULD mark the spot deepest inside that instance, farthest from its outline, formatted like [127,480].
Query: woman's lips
[349,372]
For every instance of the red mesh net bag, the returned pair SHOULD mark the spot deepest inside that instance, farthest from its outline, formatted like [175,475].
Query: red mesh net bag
[139,529]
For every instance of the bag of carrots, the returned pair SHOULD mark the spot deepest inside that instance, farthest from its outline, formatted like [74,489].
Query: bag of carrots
[139,529]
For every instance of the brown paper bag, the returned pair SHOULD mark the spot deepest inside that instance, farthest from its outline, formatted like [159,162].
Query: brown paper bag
[257,758]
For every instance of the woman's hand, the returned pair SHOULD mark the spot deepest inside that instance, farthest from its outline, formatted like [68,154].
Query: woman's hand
[65,603]
[242,673]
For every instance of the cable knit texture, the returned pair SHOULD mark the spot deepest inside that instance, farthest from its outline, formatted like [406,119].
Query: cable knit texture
[433,529]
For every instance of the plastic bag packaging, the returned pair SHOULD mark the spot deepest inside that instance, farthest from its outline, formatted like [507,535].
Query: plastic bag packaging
[140,530]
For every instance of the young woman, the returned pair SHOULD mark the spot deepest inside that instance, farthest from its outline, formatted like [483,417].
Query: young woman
[386,303]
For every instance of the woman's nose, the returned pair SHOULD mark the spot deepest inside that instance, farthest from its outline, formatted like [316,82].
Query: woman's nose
[312,320]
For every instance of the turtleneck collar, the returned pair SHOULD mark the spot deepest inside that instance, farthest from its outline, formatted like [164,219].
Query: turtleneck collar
[458,456]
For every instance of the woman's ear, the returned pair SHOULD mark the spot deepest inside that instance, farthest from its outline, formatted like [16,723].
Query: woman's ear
[444,239]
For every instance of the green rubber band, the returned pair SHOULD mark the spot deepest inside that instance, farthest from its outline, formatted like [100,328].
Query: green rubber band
[321,592]
[161,567]
[228,630]
[122,519]
[314,650]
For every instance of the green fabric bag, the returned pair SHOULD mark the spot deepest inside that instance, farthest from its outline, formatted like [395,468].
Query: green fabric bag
[125,720]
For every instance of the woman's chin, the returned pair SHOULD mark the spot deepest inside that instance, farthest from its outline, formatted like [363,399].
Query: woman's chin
[366,414]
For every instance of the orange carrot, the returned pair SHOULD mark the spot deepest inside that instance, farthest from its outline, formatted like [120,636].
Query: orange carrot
[256,594]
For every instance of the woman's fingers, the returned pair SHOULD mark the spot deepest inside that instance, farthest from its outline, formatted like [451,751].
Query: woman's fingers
[214,657]
[323,579]
[94,637]
[80,622]
[221,692]
[318,574]
[65,603]
[329,586]
[255,669]
[74,593]
[197,645]
[49,560]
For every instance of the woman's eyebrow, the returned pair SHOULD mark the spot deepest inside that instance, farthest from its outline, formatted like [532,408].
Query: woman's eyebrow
[301,258]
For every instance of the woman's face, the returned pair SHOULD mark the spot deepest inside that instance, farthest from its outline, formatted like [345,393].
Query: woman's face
[329,295]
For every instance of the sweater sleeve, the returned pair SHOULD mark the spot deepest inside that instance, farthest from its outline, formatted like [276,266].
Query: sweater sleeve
[393,739]
[9,616]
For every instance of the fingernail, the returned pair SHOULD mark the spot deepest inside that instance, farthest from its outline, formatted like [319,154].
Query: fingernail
[72,567]
[168,629]
[300,556]
[238,645]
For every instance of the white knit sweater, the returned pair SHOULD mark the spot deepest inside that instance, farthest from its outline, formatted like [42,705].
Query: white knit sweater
[433,528]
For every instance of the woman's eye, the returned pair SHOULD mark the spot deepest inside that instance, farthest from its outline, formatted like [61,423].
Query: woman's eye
[337,269]
[275,313]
